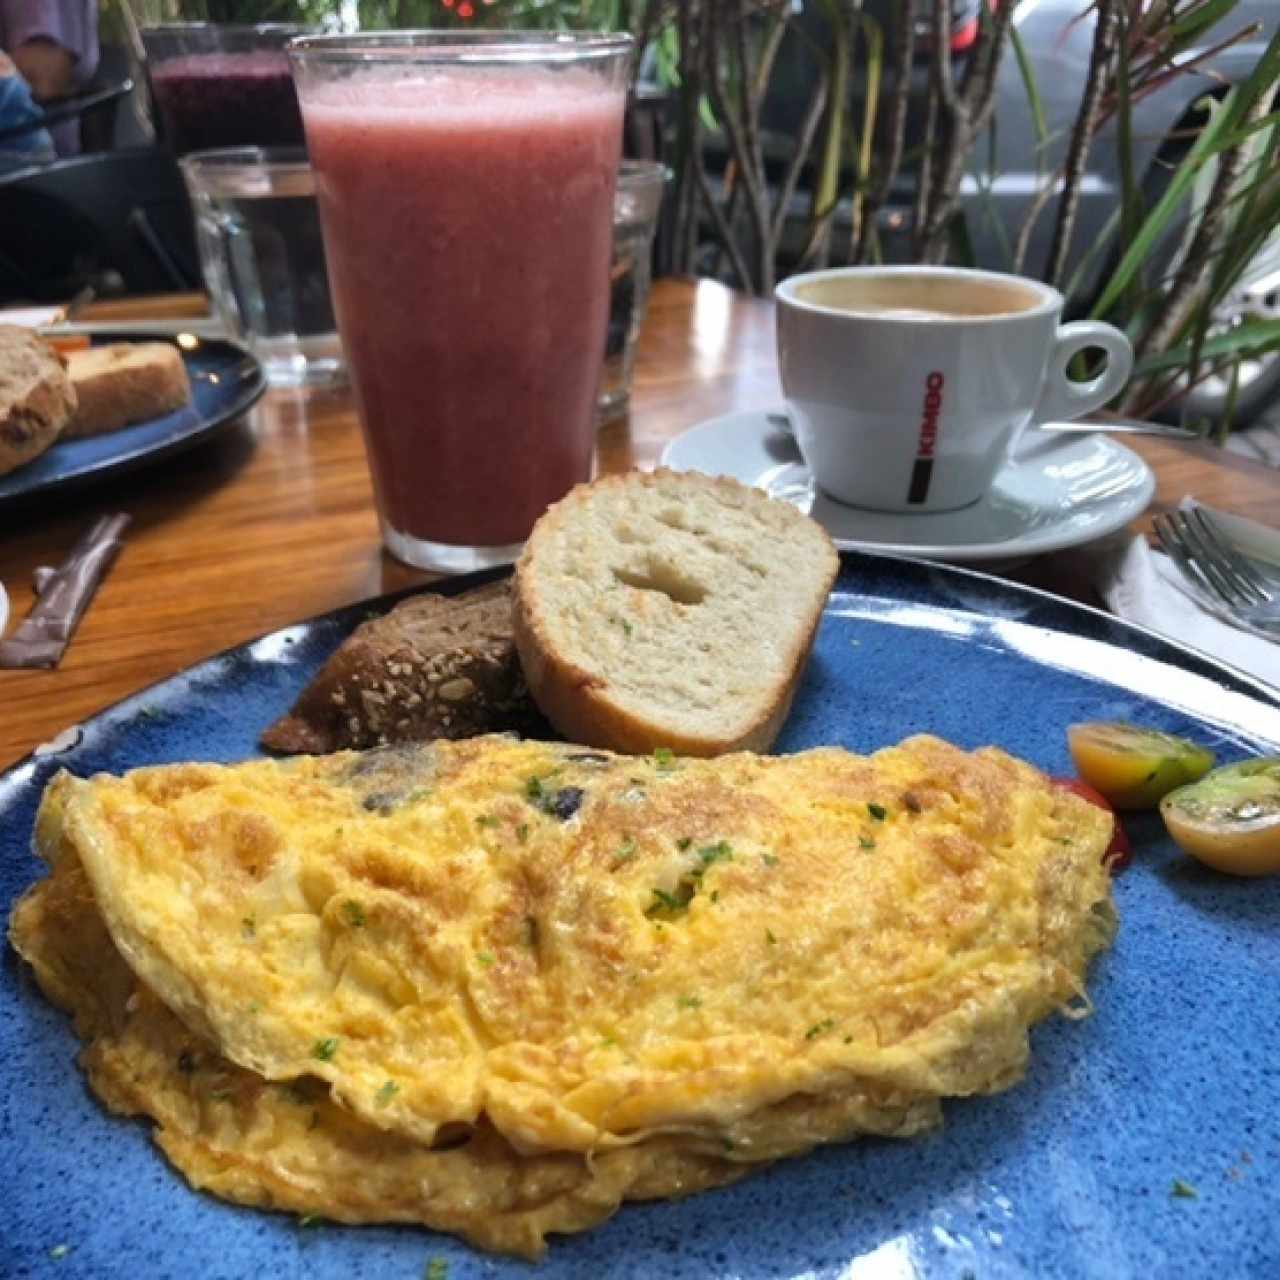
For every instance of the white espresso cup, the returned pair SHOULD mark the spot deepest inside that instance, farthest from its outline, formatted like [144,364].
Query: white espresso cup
[908,386]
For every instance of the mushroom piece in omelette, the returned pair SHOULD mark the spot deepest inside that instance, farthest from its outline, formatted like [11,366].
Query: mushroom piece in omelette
[498,987]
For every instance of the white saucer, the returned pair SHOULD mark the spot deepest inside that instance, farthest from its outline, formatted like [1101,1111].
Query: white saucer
[1058,490]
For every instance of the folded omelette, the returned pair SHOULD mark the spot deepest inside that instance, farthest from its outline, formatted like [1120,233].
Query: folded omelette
[498,987]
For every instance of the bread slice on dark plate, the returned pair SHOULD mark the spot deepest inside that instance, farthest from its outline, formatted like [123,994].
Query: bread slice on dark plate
[36,396]
[433,667]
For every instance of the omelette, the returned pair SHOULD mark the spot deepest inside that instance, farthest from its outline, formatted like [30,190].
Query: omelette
[499,987]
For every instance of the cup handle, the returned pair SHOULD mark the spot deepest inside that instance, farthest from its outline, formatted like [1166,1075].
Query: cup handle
[1064,399]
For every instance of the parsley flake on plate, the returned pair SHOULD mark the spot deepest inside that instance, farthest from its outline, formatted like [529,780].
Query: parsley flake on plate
[354,913]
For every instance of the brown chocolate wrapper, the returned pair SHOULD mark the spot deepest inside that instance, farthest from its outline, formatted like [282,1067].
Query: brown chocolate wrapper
[63,596]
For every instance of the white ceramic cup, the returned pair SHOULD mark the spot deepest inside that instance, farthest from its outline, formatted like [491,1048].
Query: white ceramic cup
[908,386]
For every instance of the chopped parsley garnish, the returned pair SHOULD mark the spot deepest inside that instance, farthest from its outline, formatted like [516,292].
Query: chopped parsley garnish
[386,1093]
[437,1269]
[354,913]
[769,938]
[678,901]
[249,926]
[672,902]
[728,1143]
[562,803]
[878,812]
[866,842]
[308,1220]
[715,895]
[325,1049]
[522,832]
[769,859]
[626,627]
[722,851]
[689,1002]
[848,1039]
[1183,1190]
[626,851]
[59,1251]
[487,820]
[485,958]
[664,759]
[609,1043]
[819,1028]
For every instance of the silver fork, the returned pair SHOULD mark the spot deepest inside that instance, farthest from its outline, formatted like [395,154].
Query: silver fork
[1210,562]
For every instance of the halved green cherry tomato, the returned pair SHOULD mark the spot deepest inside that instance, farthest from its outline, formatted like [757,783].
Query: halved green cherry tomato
[1118,853]
[1131,766]
[1231,819]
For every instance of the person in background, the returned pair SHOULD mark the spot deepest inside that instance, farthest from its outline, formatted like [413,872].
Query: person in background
[17,108]
[54,46]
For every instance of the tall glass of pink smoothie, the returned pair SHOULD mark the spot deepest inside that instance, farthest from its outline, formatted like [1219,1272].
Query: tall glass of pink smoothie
[465,183]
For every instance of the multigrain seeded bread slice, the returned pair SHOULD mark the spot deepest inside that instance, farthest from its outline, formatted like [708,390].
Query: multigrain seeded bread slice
[670,610]
[434,667]
[36,396]
[125,382]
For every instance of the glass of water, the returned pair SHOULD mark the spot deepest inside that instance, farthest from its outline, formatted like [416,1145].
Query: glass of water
[637,202]
[262,256]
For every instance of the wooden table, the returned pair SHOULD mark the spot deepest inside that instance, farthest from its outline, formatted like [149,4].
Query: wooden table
[273,521]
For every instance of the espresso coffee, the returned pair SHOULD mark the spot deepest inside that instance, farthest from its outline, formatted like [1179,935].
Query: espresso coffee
[908,387]
[925,297]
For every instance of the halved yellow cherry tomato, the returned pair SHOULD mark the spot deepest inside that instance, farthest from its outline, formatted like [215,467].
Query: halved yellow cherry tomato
[1231,819]
[1131,766]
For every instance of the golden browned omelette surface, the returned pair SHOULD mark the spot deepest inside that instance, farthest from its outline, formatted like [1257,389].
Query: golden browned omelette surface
[500,986]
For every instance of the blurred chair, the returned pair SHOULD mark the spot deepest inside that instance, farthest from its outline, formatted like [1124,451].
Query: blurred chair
[119,222]
[95,105]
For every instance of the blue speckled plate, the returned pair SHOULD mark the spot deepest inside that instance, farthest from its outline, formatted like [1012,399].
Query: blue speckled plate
[225,382]
[1071,1174]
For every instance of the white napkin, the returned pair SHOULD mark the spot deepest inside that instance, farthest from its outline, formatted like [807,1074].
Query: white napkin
[1142,585]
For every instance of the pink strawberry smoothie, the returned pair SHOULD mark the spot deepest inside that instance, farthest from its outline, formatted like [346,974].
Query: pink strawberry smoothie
[468,219]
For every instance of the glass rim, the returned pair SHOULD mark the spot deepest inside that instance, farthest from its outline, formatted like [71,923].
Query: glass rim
[426,47]
[299,29]
[226,160]
[638,174]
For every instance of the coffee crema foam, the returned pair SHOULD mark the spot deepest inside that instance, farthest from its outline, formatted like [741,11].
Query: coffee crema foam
[920,297]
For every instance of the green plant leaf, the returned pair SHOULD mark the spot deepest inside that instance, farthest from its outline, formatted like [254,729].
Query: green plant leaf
[1207,144]
[1253,338]
[1034,100]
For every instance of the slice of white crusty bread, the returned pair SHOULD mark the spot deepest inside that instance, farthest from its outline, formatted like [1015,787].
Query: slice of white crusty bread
[670,609]
[125,382]
[36,396]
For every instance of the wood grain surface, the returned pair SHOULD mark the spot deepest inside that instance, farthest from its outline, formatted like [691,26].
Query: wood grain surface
[273,520]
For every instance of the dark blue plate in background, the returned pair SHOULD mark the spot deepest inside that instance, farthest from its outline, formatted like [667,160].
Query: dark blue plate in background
[226,381]
[1145,1140]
